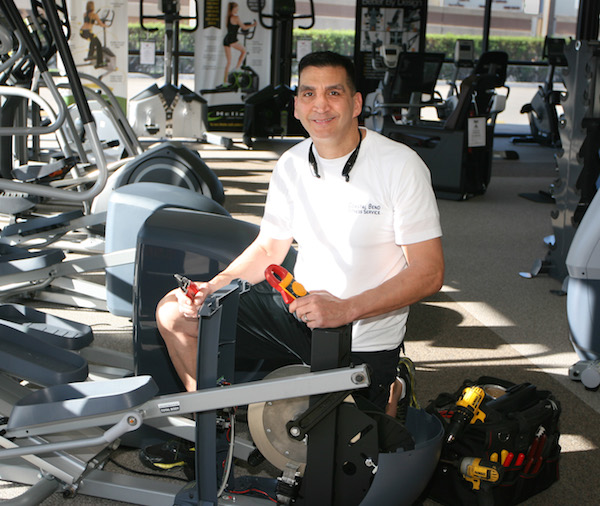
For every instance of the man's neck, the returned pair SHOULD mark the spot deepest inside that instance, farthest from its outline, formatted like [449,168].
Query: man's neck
[333,148]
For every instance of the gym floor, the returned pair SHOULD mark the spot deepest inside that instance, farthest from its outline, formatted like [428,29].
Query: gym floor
[487,320]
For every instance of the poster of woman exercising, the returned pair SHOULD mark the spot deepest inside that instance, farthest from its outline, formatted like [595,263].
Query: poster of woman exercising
[232,59]
[99,41]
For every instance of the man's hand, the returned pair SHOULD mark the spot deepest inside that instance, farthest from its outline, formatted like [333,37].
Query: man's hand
[320,309]
[189,308]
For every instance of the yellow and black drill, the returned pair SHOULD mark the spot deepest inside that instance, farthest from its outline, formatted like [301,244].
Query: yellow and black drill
[476,470]
[467,411]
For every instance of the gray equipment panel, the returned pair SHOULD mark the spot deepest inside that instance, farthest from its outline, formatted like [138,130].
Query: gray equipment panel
[30,358]
[137,202]
[60,332]
[85,399]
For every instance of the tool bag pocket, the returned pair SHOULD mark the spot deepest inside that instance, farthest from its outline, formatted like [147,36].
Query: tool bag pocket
[514,451]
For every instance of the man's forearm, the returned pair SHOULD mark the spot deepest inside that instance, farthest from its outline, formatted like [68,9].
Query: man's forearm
[401,291]
[250,265]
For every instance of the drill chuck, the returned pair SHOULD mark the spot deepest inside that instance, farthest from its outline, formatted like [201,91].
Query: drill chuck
[467,411]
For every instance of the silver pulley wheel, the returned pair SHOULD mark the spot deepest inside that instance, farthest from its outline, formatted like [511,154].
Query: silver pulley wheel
[267,424]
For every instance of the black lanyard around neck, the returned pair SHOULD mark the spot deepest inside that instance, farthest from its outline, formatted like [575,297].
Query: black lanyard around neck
[347,167]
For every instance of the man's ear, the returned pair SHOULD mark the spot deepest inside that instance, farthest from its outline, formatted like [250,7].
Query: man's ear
[358,104]
[295,103]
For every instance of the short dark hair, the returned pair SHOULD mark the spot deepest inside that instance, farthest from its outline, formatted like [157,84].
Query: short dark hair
[329,59]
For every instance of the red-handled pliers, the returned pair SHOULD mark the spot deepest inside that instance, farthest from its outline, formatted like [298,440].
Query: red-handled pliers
[187,286]
[280,279]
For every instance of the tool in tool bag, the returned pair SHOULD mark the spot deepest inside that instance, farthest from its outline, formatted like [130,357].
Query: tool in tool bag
[187,286]
[280,279]
[508,456]
[478,469]
[467,411]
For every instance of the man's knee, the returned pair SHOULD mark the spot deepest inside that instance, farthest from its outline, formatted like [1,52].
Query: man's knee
[167,313]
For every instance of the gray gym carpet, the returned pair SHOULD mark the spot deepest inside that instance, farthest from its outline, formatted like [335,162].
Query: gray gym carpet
[487,320]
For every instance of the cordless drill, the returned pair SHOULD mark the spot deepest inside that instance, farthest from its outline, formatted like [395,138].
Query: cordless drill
[467,411]
[476,470]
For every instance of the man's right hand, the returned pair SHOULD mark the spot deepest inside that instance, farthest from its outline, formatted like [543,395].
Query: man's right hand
[190,308]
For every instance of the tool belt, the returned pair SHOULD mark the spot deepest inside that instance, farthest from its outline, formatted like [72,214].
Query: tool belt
[504,457]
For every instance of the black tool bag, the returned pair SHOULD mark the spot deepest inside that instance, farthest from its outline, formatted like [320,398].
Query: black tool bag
[520,420]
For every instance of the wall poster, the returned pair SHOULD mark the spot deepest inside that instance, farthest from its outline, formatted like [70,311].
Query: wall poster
[398,22]
[99,42]
[233,59]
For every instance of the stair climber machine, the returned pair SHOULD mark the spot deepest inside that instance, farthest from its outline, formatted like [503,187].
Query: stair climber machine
[541,111]
[458,150]
[270,111]
[173,110]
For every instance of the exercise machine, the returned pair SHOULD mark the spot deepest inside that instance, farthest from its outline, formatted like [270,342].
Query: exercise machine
[269,112]
[583,301]
[172,169]
[74,427]
[578,163]
[464,59]
[541,111]
[172,110]
[352,454]
[458,150]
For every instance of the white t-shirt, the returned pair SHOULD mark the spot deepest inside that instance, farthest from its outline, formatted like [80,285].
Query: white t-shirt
[349,233]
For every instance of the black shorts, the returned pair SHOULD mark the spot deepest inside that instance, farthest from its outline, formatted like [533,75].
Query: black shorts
[229,39]
[267,330]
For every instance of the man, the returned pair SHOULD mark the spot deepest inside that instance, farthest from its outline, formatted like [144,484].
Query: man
[363,214]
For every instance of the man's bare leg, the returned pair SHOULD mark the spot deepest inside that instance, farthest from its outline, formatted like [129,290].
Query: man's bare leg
[180,335]
[396,391]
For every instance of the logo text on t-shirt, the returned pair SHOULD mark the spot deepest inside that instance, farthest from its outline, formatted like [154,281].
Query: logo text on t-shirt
[365,208]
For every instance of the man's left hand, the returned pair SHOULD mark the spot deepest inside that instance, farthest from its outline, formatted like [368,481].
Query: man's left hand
[320,309]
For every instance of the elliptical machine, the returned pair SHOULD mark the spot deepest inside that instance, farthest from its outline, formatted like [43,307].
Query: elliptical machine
[543,118]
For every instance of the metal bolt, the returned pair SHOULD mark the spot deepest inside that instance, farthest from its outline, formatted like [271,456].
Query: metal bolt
[358,378]
[295,431]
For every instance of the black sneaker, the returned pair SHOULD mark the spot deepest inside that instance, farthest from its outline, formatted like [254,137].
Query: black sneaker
[173,454]
[406,372]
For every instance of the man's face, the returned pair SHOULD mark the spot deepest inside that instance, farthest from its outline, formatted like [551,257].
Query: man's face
[325,103]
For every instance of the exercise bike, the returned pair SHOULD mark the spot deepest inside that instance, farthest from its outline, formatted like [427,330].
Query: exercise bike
[541,111]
